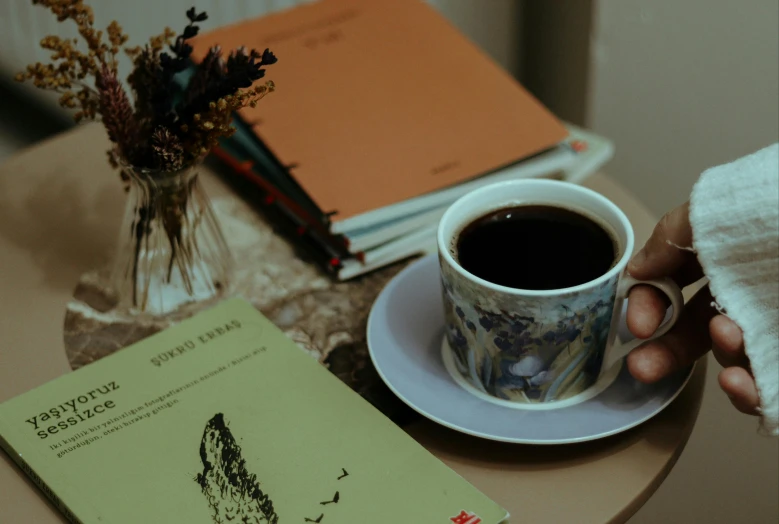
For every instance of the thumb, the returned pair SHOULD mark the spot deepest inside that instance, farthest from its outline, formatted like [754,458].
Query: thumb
[658,257]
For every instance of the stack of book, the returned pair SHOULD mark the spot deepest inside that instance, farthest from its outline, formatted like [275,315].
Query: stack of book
[384,114]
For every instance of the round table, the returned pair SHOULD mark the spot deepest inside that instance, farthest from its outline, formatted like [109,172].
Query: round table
[60,207]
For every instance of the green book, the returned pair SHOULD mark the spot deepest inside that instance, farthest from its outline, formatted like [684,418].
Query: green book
[223,419]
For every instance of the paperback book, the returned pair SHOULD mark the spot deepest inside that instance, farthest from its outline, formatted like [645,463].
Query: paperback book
[223,419]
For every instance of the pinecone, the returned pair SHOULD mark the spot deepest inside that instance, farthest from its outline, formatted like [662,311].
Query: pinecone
[167,149]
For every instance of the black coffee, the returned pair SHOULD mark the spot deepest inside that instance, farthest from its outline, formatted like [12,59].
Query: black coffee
[536,247]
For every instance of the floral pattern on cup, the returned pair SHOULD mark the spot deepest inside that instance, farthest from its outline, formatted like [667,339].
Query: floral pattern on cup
[527,349]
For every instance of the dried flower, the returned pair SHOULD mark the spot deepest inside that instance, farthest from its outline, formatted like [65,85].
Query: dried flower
[205,129]
[211,70]
[116,111]
[164,128]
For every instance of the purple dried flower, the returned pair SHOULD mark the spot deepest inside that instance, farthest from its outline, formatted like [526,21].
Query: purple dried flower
[115,108]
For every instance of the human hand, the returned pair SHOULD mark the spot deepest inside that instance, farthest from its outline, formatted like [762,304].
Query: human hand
[699,328]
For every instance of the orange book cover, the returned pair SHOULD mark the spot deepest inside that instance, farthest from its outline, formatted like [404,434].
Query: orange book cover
[378,102]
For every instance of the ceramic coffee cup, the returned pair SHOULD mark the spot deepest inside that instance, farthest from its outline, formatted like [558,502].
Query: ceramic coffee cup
[537,348]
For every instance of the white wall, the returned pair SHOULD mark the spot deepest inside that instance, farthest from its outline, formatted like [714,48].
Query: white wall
[494,25]
[681,86]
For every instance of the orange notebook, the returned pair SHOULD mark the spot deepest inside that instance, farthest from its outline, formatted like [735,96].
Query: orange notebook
[380,102]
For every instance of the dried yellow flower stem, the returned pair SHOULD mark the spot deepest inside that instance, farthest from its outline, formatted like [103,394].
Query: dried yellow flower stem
[215,123]
[71,65]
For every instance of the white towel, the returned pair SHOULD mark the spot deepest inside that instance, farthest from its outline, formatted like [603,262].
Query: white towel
[734,212]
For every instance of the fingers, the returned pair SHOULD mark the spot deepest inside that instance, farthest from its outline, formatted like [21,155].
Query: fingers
[735,380]
[646,310]
[658,258]
[652,362]
[740,387]
[728,342]
[684,344]
[699,328]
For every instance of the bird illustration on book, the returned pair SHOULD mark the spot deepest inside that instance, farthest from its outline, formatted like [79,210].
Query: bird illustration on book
[334,500]
[233,493]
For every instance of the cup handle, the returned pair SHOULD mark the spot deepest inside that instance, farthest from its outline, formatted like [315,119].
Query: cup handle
[674,294]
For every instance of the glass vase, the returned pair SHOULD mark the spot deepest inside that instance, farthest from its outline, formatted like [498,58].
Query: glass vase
[172,257]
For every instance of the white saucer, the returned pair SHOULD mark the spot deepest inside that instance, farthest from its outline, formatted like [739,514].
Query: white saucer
[405,333]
